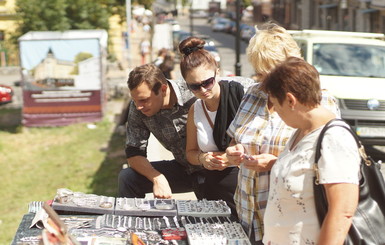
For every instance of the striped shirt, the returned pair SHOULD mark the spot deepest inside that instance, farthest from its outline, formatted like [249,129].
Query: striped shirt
[260,131]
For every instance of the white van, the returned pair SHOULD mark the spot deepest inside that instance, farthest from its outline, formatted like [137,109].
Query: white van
[352,68]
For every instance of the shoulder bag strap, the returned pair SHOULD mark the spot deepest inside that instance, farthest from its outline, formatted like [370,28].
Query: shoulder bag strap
[207,115]
[319,145]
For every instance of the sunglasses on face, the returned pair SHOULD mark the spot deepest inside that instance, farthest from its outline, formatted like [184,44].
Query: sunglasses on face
[206,84]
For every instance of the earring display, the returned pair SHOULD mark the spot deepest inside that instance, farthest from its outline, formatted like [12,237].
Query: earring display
[203,208]
[227,233]
[122,222]
[66,200]
[145,207]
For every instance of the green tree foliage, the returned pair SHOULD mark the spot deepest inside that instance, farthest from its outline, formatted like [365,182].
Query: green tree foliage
[42,15]
[82,56]
[78,58]
[86,14]
[60,15]
[146,3]
[246,3]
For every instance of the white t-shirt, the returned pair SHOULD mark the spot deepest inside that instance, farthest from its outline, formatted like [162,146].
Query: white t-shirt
[204,131]
[290,216]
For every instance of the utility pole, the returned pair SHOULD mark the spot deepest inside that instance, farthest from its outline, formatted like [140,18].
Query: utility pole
[128,21]
[191,19]
[237,38]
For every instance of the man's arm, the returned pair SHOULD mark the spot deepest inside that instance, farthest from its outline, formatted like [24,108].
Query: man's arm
[136,144]
[143,166]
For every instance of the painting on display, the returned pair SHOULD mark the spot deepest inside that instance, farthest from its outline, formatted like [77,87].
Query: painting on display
[63,74]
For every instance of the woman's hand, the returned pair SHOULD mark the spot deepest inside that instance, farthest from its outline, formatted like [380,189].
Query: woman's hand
[235,154]
[213,160]
[259,163]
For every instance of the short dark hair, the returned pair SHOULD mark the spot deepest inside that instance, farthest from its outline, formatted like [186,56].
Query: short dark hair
[148,73]
[295,76]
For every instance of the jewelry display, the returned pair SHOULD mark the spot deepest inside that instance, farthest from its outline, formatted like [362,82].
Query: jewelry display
[30,240]
[227,233]
[145,207]
[154,221]
[66,200]
[175,219]
[164,204]
[78,222]
[135,222]
[35,206]
[203,208]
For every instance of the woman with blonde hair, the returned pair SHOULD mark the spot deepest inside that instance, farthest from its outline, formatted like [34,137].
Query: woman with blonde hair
[258,132]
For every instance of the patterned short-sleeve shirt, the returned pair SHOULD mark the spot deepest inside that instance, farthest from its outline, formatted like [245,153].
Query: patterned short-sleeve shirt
[168,126]
[260,131]
[291,216]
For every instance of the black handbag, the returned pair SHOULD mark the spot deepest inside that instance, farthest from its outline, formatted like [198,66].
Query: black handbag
[368,225]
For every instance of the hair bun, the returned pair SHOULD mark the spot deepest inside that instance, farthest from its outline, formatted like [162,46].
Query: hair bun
[188,50]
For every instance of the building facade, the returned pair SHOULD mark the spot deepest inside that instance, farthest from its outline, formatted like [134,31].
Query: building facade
[8,19]
[338,15]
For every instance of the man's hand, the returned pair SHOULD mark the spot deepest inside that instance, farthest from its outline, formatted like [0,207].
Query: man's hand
[235,154]
[161,187]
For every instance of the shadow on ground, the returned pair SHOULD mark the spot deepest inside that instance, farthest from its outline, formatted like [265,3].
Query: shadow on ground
[105,181]
[10,119]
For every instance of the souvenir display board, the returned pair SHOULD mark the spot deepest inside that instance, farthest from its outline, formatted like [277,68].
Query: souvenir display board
[63,76]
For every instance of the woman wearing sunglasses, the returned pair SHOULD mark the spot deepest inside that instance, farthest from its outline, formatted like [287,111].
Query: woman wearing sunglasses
[208,119]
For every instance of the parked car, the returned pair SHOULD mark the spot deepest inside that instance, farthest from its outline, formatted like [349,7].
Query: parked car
[230,25]
[214,52]
[241,27]
[6,94]
[220,24]
[352,68]
[247,33]
[178,37]
[200,14]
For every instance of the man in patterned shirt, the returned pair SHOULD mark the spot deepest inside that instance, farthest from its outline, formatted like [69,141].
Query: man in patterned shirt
[158,106]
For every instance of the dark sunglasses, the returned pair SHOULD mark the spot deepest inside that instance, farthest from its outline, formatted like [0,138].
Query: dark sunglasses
[206,84]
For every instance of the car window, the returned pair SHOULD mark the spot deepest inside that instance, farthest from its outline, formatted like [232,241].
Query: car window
[210,48]
[349,59]
[302,45]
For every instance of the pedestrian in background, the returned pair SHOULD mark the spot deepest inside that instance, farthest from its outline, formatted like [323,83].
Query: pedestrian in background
[160,57]
[144,50]
[167,66]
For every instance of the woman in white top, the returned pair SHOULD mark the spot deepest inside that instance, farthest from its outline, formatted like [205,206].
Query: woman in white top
[208,120]
[290,217]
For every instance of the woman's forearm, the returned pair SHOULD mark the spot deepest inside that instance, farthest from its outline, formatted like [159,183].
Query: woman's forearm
[342,204]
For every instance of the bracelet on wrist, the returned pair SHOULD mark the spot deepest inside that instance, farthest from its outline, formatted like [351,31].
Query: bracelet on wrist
[199,158]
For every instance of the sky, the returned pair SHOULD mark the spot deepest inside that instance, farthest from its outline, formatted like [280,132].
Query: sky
[33,52]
